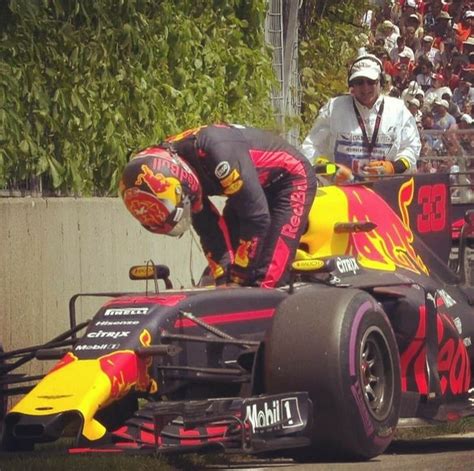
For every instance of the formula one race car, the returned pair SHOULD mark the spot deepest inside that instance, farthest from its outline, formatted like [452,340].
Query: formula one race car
[373,329]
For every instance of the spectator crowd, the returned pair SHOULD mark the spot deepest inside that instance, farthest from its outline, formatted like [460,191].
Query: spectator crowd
[427,51]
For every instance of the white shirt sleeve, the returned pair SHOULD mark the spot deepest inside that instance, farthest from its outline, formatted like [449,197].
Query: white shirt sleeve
[410,144]
[317,142]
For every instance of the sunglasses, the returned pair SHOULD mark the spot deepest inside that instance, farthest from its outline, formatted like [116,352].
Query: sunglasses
[360,81]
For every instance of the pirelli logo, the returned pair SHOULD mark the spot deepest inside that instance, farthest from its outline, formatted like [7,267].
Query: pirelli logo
[127,311]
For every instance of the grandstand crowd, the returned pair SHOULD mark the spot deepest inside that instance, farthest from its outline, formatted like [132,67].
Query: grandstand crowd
[427,51]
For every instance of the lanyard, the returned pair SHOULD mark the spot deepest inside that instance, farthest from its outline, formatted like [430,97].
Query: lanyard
[370,145]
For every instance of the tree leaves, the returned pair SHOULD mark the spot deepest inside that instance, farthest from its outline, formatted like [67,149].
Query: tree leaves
[328,42]
[83,82]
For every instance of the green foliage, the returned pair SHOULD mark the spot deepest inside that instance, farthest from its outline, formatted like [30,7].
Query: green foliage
[82,82]
[330,34]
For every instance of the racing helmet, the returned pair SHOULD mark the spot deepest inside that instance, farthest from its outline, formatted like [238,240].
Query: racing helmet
[161,190]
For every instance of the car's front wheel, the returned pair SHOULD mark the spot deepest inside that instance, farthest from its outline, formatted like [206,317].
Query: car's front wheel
[337,344]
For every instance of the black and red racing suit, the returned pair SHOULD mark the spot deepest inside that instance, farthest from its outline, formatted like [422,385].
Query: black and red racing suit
[270,187]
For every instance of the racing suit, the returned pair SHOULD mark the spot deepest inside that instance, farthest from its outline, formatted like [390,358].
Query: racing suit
[338,135]
[270,188]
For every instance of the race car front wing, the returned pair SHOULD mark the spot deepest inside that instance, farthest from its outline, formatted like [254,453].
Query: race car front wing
[233,425]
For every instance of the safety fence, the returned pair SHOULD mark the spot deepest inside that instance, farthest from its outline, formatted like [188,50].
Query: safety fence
[450,152]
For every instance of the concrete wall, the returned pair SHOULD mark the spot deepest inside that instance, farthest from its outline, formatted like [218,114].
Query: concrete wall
[53,248]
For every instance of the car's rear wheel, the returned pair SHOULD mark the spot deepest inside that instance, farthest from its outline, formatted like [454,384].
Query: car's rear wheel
[338,345]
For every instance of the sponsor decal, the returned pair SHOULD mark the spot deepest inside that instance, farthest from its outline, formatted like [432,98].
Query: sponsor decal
[166,188]
[111,323]
[297,203]
[335,280]
[364,414]
[103,334]
[102,346]
[231,183]
[447,299]
[432,200]
[122,370]
[454,366]
[385,432]
[232,178]
[127,311]
[126,370]
[222,170]
[142,271]
[458,324]
[308,265]
[178,214]
[180,170]
[271,414]
[347,265]
[234,188]
[390,244]
[244,253]
[170,165]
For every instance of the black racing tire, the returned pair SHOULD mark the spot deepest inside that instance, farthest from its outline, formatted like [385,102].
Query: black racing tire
[337,344]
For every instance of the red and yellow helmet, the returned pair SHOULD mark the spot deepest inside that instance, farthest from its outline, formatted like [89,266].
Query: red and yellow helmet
[161,190]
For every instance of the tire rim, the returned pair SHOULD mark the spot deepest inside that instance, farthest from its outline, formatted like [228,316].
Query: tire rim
[376,373]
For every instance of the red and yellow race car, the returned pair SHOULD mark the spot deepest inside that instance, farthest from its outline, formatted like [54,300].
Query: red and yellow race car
[373,331]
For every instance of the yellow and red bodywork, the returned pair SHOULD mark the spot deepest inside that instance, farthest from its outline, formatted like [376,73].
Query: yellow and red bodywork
[388,246]
[85,386]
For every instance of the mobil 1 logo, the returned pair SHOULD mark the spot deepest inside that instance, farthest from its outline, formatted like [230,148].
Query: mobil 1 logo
[283,413]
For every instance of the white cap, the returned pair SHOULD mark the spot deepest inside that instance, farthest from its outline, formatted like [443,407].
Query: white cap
[367,67]
[469,14]
[441,102]
[410,3]
[404,53]
[414,101]
[388,24]
[466,118]
[428,38]
[413,88]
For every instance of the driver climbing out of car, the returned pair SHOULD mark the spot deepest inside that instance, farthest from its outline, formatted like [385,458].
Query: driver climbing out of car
[270,187]
[364,132]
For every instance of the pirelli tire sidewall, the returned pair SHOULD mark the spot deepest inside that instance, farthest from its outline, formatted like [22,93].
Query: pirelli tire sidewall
[317,343]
